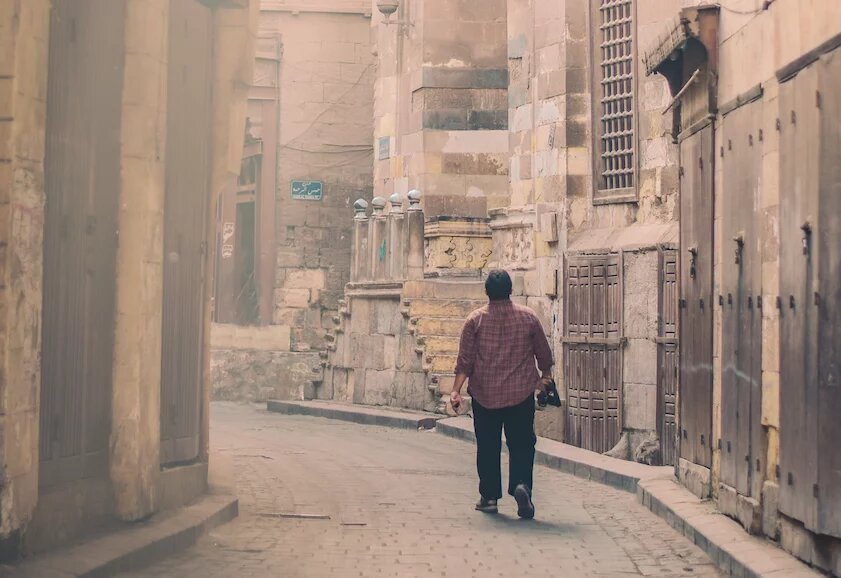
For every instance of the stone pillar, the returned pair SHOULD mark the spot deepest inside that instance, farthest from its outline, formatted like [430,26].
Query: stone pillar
[359,264]
[396,241]
[378,239]
[415,241]
[24,30]
[136,403]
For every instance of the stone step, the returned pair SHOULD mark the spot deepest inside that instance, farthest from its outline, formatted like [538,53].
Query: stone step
[440,363]
[449,309]
[439,345]
[439,289]
[446,382]
[439,327]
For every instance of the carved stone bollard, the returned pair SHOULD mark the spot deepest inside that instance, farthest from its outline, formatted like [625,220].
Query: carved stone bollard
[414,230]
[359,262]
[378,244]
[396,241]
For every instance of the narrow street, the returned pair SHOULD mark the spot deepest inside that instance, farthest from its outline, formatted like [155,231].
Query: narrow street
[325,498]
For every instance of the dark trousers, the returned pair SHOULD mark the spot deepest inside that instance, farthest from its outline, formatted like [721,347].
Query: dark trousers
[518,422]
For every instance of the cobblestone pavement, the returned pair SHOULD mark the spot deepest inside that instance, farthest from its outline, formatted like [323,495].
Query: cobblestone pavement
[385,502]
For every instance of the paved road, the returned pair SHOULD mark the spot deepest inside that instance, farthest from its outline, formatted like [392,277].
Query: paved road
[400,503]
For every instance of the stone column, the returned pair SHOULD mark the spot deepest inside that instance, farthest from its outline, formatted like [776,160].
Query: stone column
[136,403]
[24,29]
[415,242]
[359,263]
[378,239]
[396,241]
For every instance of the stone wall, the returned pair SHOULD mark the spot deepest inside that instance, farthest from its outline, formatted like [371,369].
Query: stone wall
[551,212]
[255,364]
[29,520]
[326,132]
[375,361]
[24,39]
[440,111]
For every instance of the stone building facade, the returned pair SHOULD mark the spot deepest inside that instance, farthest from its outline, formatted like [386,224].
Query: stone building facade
[758,133]
[670,171]
[88,416]
[283,233]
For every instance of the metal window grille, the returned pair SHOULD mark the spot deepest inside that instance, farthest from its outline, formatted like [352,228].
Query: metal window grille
[615,71]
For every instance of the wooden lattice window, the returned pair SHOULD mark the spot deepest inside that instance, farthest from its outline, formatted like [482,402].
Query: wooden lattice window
[614,100]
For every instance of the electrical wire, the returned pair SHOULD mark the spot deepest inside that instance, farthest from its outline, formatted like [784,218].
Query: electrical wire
[766,4]
[318,117]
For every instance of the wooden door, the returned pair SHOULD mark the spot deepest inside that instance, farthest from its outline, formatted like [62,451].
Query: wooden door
[667,356]
[695,306]
[188,166]
[799,170]
[743,440]
[810,289]
[592,351]
[82,182]
[828,300]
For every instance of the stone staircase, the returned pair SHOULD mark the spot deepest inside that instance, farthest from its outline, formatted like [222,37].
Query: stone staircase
[436,311]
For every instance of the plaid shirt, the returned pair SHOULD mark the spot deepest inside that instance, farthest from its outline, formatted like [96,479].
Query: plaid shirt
[499,344]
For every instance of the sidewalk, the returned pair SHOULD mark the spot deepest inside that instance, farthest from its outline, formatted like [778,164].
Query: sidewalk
[134,546]
[727,544]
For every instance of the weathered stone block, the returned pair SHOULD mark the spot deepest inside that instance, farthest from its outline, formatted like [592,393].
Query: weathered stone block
[306,279]
[797,540]
[292,298]
[640,406]
[256,376]
[640,361]
[728,501]
[695,478]
[770,510]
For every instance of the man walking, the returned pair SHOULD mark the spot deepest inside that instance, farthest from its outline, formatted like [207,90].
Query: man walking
[499,345]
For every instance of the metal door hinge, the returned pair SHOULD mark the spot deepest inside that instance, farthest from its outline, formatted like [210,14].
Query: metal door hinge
[739,239]
[807,237]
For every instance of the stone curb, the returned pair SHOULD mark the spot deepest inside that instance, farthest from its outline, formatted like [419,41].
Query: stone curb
[732,549]
[724,540]
[360,415]
[613,472]
[132,548]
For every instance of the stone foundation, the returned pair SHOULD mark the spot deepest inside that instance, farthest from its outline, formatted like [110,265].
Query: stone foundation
[257,376]
[697,479]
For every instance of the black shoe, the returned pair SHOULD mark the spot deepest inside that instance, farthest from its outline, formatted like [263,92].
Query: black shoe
[487,506]
[525,507]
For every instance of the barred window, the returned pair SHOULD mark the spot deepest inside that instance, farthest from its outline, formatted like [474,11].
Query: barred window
[614,103]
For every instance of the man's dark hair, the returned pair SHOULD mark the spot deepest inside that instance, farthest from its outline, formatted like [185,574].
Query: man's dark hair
[498,286]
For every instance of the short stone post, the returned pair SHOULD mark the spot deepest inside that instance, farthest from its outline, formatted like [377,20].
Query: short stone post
[378,245]
[414,230]
[396,225]
[359,262]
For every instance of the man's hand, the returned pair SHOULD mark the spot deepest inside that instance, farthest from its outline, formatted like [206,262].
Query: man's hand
[455,400]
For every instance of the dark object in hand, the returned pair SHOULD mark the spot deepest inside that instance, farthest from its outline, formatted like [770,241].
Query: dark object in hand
[550,396]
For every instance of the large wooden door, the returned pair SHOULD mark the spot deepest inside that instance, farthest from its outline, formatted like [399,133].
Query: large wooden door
[668,351]
[799,169]
[828,300]
[592,351]
[810,291]
[82,182]
[188,163]
[696,284]
[743,440]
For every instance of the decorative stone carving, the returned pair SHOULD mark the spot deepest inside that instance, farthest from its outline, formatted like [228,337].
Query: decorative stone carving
[457,245]
[513,240]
